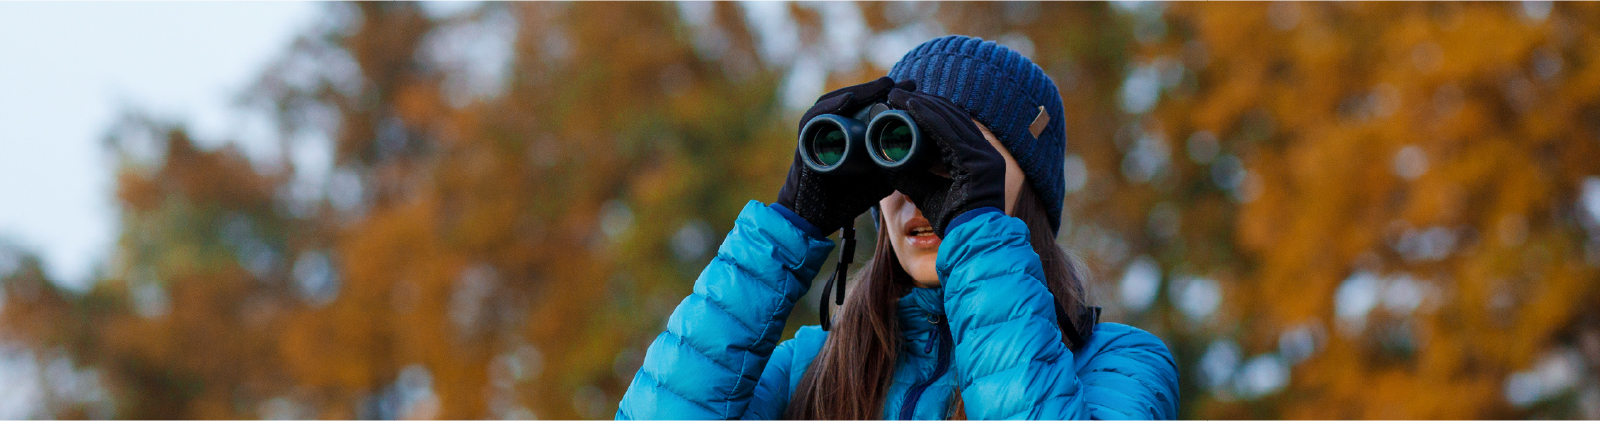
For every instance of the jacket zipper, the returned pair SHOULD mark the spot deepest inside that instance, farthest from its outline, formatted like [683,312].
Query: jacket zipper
[942,364]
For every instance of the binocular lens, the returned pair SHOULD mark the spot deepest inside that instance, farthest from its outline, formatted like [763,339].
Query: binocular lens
[895,141]
[828,145]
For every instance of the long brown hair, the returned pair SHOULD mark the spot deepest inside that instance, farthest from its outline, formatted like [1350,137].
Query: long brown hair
[849,378]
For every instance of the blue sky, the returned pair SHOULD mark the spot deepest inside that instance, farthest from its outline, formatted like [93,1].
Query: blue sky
[67,70]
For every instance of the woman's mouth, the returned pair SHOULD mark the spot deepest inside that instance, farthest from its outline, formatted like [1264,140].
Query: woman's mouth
[919,233]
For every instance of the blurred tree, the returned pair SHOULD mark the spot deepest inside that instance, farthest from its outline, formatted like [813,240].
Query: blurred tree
[469,255]
[1389,196]
[181,327]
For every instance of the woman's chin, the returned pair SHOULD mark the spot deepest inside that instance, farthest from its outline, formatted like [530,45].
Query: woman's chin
[923,270]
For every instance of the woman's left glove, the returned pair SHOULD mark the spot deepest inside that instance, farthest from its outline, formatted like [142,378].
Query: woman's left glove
[977,171]
[833,202]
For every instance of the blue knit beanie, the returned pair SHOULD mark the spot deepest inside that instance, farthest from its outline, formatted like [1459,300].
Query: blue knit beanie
[1008,94]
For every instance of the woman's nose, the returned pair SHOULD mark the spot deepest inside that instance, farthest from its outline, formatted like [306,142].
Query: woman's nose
[908,208]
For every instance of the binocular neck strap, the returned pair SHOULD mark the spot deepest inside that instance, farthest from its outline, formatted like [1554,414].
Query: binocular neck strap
[836,282]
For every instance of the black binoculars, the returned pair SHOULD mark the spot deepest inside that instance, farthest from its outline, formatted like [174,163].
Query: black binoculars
[835,144]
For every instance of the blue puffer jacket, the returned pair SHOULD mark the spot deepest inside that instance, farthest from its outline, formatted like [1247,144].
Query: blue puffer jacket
[989,332]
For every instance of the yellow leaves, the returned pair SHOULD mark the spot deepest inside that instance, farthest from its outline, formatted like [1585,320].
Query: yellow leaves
[1438,142]
[660,182]
[810,22]
[136,192]
[419,103]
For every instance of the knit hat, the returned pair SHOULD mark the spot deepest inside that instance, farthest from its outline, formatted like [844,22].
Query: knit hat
[1008,94]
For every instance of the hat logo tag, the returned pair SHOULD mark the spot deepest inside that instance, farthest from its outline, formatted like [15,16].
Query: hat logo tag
[1043,119]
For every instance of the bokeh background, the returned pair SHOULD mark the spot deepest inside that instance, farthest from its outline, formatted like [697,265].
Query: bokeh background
[1343,210]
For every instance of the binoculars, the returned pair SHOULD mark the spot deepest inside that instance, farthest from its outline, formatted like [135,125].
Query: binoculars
[890,139]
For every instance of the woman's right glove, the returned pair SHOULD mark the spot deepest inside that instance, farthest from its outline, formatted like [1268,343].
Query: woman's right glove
[833,202]
[977,170]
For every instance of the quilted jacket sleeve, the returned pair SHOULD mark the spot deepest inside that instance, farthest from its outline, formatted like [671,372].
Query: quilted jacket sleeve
[1008,353]
[783,372]
[707,363]
[1130,375]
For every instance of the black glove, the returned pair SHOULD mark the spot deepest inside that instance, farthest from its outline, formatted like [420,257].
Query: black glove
[833,202]
[977,171]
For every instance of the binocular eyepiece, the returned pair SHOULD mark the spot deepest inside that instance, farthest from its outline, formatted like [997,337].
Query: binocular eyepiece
[835,144]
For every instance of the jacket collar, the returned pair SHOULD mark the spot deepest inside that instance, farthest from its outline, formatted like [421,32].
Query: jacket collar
[918,311]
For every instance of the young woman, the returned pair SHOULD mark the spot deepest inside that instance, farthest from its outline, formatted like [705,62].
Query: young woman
[968,308]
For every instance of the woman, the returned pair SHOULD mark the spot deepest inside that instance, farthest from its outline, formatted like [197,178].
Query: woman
[968,308]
